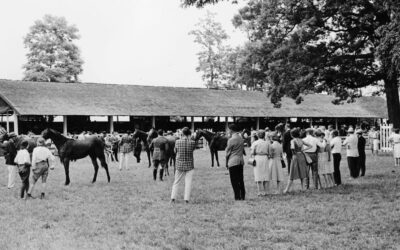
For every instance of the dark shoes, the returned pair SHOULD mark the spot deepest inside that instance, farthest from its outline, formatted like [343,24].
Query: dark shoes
[42,196]
[29,196]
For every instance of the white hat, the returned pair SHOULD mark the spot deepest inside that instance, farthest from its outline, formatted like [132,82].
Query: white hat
[351,130]
[359,131]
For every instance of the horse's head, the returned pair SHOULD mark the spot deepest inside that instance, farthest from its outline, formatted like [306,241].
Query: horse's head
[46,134]
[152,134]
[198,134]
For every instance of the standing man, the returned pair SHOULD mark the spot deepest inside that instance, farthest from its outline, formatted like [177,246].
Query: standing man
[361,151]
[312,152]
[328,133]
[235,162]
[114,145]
[374,141]
[286,145]
[184,148]
[159,146]
[351,143]
[336,149]
[10,151]
[42,159]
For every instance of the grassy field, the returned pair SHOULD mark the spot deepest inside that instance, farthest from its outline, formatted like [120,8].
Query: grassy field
[133,212]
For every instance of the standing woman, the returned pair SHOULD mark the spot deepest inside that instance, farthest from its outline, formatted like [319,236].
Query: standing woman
[324,166]
[125,147]
[395,140]
[298,166]
[259,149]
[275,170]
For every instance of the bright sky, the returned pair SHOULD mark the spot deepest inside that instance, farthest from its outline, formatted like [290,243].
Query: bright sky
[122,41]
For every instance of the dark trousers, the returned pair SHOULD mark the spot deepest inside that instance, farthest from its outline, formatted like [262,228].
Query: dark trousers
[353,166]
[337,157]
[115,153]
[361,164]
[314,170]
[289,160]
[24,174]
[236,175]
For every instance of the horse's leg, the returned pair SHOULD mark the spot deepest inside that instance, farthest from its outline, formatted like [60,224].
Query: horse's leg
[216,157]
[104,165]
[166,167]
[66,168]
[212,157]
[96,167]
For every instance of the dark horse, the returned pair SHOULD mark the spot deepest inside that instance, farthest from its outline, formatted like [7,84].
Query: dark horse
[18,140]
[215,141]
[71,150]
[141,136]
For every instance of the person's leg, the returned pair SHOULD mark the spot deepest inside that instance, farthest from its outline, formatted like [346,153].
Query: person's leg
[289,160]
[121,160]
[265,187]
[115,150]
[259,188]
[11,176]
[126,161]
[178,177]
[233,174]
[32,184]
[155,163]
[162,166]
[241,183]
[288,186]
[188,184]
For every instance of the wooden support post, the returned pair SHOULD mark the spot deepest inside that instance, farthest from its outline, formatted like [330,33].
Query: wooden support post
[226,124]
[8,122]
[218,119]
[65,125]
[15,119]
[336,124]
[311,123]
[153,121]
[111,123]
[192,123]
[258,123]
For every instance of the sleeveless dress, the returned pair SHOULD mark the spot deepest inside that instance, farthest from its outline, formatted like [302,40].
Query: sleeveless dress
[298,166]
[396,145]
[275,162]
[324,166]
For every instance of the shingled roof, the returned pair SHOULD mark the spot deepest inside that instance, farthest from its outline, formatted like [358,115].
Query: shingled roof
[49,98]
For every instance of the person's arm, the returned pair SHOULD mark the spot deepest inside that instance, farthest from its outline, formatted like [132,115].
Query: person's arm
[34,158]
[308,146]
[253,149]
[228,152]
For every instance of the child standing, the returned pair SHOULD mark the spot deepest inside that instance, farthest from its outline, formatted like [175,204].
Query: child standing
[23,161]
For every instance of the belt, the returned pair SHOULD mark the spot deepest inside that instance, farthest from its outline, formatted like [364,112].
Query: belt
[310,152]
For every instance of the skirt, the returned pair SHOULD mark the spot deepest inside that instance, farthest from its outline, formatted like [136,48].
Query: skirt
[298,167]
[275,170]
[324,166]
[396,150]
[261,168]
[375,144]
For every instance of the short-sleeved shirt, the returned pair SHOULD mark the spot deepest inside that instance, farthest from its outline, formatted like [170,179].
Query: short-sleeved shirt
[260,147]
[312,141]
[22,157]
[40,154]
[336,145]
[184,154]
[351,144]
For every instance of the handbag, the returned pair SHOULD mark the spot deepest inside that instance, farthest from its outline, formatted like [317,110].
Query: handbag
[251,161]
[308,158]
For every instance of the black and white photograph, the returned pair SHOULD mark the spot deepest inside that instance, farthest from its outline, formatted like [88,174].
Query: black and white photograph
[199,124]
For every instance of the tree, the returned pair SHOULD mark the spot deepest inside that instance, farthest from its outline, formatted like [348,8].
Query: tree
[333,46]
[210,36]
[52,56]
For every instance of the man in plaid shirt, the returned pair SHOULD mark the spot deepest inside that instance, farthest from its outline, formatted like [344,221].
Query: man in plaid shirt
[184,164]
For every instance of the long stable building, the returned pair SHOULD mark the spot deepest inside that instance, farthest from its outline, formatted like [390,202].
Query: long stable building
[36,105]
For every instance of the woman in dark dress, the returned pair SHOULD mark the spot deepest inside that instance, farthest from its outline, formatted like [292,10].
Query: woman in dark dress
[298,165]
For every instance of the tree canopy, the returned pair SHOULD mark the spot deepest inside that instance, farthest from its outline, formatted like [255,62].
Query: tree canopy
[333,46]
[52,55]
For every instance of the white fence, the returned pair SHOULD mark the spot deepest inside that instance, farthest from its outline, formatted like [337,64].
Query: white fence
[384,135]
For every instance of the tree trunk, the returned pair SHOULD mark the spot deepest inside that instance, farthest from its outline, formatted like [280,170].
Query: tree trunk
[393,103]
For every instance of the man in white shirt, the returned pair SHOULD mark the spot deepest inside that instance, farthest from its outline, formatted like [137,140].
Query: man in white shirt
[336,149]
[351,143]
[42,159]
[312,152]
[23,161]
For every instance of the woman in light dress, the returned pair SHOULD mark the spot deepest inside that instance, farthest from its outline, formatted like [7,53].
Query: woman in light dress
[259,149]
[325,166]
[275,170]
[395,140]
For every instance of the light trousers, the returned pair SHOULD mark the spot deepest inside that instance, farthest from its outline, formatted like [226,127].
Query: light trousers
[179,176]
[123,159]
[12,174]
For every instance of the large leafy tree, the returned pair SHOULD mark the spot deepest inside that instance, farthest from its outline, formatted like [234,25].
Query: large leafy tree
[210,35]
[335,46]
[52,56]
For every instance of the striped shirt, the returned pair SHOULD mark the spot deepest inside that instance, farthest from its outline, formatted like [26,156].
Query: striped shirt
[184,154]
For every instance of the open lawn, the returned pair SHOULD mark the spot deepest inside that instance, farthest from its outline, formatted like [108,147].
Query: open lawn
[133,212]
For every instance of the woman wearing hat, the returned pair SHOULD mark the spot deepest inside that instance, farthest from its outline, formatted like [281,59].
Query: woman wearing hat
[259,149]
[395,140]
